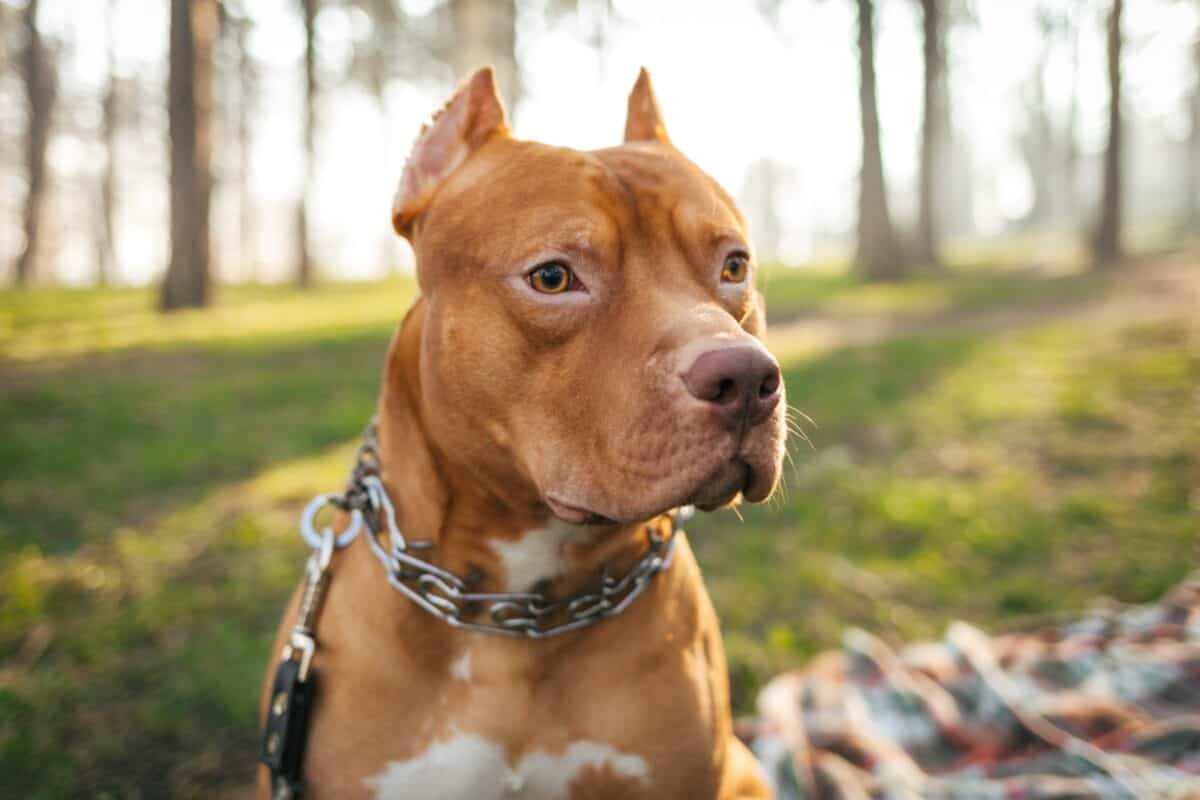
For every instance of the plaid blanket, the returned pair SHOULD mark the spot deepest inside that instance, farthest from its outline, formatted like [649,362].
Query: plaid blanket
[1105,706]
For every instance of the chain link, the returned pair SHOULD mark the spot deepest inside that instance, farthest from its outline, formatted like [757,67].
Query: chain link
[528,615]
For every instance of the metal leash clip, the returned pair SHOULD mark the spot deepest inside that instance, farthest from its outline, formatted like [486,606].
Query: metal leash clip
[316,579]
[285,733]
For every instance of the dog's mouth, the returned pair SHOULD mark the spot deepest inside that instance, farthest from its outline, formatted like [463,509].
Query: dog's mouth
[575,515]
[720,488]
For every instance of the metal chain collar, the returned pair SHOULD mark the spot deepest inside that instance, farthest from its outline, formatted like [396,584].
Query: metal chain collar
[528,615]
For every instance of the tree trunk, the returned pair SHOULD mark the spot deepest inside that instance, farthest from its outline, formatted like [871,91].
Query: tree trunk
[485,32]
[1038,143]
[1071,135]
[189,98]
[1107,246]
[932,134]
[40,90]
[878,258]
[106,255]
[1193,185]
[304,266]
[247,93]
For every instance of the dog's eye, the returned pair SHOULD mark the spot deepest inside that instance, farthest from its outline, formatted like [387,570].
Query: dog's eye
[736,267]
[553,277]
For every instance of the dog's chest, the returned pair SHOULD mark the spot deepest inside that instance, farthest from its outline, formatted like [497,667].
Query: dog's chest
[626,713]
[468,765]
[488,737]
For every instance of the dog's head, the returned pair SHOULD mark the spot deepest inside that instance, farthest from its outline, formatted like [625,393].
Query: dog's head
[591,337]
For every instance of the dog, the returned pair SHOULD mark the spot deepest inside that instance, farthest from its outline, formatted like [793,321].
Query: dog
[585,356]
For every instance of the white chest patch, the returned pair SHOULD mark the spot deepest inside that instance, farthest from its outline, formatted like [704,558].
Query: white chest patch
[460,667]
[470,767]
[537,555]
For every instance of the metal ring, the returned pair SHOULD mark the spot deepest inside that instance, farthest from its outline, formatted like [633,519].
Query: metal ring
[309,532]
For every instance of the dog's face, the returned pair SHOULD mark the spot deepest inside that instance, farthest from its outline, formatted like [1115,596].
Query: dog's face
[591,321]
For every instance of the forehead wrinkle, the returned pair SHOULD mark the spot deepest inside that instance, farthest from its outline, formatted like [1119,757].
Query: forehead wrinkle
[678,236]
[697,232]
[650,211]
[571,236]
[641,178]
[661,189]
[625,197]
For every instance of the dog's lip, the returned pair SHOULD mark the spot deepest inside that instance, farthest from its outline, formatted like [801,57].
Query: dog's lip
[735,487]
[744,478]
[759,485]
[575,515]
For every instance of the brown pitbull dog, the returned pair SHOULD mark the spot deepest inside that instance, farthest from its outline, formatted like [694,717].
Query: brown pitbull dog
[585,356]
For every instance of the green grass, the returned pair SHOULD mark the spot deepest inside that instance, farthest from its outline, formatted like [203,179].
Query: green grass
[992,478]
[971,281]
[53,324]
[153,468]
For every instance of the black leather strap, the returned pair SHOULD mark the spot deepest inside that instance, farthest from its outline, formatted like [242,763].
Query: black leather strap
[285,732]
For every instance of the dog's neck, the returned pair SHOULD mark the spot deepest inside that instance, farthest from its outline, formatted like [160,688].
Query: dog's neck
[496,541]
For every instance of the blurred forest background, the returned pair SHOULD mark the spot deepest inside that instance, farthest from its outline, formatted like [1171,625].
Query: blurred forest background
[239,141]
[980,226]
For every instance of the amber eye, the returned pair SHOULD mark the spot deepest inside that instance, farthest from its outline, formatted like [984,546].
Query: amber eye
[736,267]
[553,277]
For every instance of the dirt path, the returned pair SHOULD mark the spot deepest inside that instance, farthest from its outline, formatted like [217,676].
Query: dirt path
[1166,286]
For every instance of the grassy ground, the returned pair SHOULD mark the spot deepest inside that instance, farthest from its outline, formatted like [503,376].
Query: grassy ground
[152,469]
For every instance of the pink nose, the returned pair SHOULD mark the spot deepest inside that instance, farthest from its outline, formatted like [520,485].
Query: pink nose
[741,382]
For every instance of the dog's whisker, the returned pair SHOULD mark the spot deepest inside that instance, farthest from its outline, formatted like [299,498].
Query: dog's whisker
[799,420]
[779,499]
[802,435]
[793,410]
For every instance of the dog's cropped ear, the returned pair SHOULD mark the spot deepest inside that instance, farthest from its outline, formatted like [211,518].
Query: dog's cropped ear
[470,117]
[644,122]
